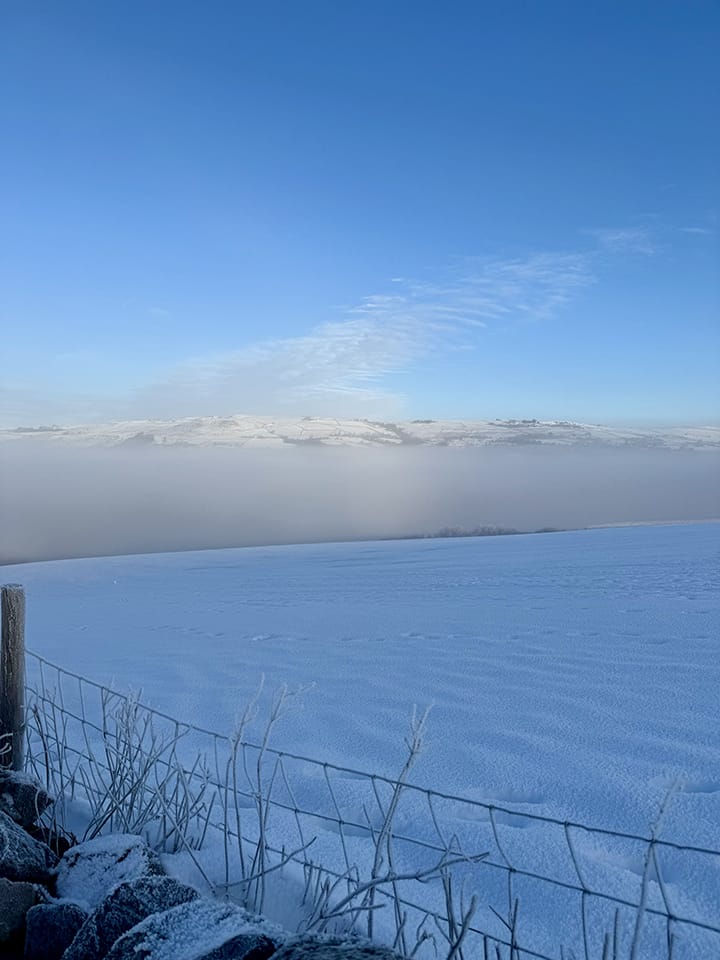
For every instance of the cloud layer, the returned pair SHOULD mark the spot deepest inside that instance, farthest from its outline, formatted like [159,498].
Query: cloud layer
[57,501]
[340,368]
[350,367]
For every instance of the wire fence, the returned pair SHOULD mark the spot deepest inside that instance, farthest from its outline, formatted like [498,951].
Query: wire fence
[433,874]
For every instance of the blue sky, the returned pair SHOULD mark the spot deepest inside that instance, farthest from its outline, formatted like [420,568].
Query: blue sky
[377,209]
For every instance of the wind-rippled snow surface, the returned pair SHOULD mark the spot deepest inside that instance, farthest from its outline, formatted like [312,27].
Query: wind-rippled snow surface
[579,671]
[574,675]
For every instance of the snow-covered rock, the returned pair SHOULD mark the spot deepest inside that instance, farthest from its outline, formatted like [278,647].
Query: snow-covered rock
[22,798]
[199,930]
[51,928]
[313,947]
[88,872]
[124,908]
[22,857]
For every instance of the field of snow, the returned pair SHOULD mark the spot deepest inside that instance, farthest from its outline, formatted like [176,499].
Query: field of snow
[574,675]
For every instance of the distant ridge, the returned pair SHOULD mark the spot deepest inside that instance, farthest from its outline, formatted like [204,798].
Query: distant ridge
[268,432]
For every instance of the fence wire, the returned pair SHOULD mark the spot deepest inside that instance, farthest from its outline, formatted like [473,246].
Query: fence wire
[403,862]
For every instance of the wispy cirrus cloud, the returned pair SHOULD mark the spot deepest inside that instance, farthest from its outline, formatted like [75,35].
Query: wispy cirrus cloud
[353,366]
[625,240]
[337,366]
[341,367]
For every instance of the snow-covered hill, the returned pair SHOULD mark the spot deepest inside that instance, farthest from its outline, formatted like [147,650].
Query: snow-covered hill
[601,643]
[256,431]
[573,676]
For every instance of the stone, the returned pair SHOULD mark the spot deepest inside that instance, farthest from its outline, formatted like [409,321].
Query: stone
[88,872]
[15,901]
[22,857]
[51,928]
[22,798]
[124,908]
[55,838]
[318,947]
[246,946]
[203,929]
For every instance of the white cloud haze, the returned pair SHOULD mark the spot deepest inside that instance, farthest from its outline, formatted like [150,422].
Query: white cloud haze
[349,367]
[339,368]
[58,501]
[342,368]
[623,240]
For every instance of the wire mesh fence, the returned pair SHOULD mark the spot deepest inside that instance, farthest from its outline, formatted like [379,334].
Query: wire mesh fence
[433,874]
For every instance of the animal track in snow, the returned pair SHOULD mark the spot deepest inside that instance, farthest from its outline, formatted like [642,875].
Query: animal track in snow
[700,786]
[682,785]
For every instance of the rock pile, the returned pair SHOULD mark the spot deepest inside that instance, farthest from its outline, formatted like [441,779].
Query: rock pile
[109,899]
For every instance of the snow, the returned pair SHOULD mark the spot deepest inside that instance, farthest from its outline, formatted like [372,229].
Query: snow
[189,931]
[572,675]
[574,672]
[89,871]
[274,432]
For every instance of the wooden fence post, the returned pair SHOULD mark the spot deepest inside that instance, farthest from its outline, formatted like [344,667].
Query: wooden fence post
[12,677]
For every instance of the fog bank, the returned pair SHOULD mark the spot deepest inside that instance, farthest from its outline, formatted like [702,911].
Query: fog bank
[64,501]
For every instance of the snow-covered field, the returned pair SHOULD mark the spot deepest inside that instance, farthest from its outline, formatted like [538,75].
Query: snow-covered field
[574,675]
